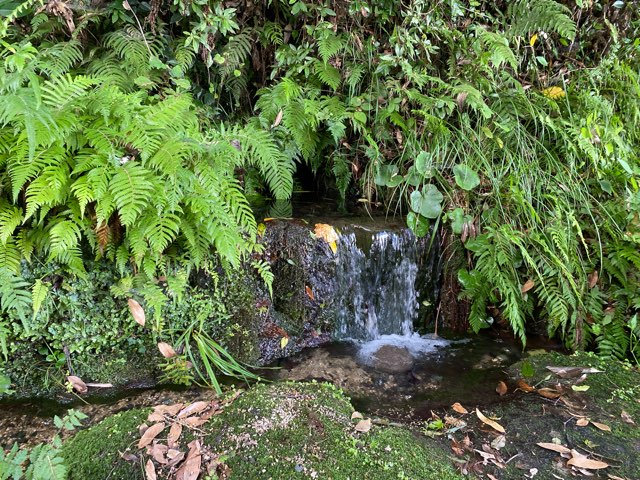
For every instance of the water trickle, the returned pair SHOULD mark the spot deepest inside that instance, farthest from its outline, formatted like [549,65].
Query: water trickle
[377,285]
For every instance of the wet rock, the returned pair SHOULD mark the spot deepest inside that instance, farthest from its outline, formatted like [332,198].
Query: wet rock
[392,359]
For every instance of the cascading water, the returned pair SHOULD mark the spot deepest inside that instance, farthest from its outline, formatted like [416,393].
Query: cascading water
[378,294]
[377,276]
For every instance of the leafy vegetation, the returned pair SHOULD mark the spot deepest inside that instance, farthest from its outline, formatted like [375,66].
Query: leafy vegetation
[135,132]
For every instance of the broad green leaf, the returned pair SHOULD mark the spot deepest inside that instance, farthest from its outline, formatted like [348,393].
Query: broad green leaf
[466,178]
[422,163]
[384,174]
[427,203]
[418,224]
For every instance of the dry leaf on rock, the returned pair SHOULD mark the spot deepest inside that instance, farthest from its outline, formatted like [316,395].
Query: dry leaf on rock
[601,426]
[584,462]
[524,386]
[137,312]
[549,393]
[571,372]
[193,409]
[626,418]
[77,384]
[459,408]
[309,292]
[363,425]
[166,350]
[554,447]
[355,415]
[284,341]
[501,389]
[174,434]
[582,422]
[150,470]
[152,432]
[493,424]
[328,234]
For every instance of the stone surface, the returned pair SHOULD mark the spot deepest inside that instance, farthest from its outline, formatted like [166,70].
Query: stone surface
[392,359]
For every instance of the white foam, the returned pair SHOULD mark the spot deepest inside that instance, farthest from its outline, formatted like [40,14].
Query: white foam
[417,345]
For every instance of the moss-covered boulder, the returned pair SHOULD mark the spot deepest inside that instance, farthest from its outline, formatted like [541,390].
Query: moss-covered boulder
[292,430]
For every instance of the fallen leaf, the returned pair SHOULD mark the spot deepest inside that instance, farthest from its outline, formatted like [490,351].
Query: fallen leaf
[485,456]
[554,447]
[584,462]
[363,425]
[168,409]
[356,415]
[174,435]
[328,234]
[150,470]
[601,426]
[501,389]
[593,279]
[582,422]
[166,350]
[528,285]
[454,422]
[549,393]
[193,409]
[129,457]
[566,372]
[284,341]
[190,470]
[194,422]
[137,312]
[152,432]
[488,421]
[524,386]
[459,408]
[457,449]
[626,418]
[77,384]
[175,457]
[499,442]
[307,289]
[158,451]
[278,119]
[579,388]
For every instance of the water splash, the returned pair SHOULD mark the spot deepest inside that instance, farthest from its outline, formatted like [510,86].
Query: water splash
[378,294]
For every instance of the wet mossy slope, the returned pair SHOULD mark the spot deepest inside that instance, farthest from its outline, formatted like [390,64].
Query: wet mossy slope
[292,430]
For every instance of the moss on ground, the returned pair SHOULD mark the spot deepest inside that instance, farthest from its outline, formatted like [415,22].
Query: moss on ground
[96,453]
[292,430]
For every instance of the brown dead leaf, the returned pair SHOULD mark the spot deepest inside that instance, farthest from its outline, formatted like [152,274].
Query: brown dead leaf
[549,393]
[152,432]
[524,386]
[150,470]
[137,312]
[326,232]
[193,409]
[166,350]
[194,422]
[158,452]
[459,408]
[593,279]
[190,470]
[582,422]
[528,285]
[493,424]
[278,119]
[307,289]
[175,457]
[453,421]
[171,410]
[499,442]
[356,415]
[601,426]
[572,372]
[363,426]
[554,447]
[626,418]
[501,389]
[174,435]
[584,462]
[77,384]
[457,448]
[129,457]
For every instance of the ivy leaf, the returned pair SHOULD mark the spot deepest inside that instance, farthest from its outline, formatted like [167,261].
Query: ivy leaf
[422,163]
[384,174]
[466,178]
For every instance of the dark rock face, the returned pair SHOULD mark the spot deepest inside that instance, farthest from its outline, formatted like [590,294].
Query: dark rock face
[392,359]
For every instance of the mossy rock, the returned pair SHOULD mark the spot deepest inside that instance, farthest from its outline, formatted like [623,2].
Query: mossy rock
[276,431]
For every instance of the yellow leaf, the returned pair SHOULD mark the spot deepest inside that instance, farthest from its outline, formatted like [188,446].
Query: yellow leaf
[601,426]
[533,39]
[554,93]
[261,229]
[459,408]
[326,232]
[333,246]
[137,312]
[284,341]
[488,421]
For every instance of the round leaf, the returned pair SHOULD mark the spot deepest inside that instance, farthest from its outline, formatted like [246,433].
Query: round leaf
[466,178]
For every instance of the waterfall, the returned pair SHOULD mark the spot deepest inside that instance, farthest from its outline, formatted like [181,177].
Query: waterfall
[376,277]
